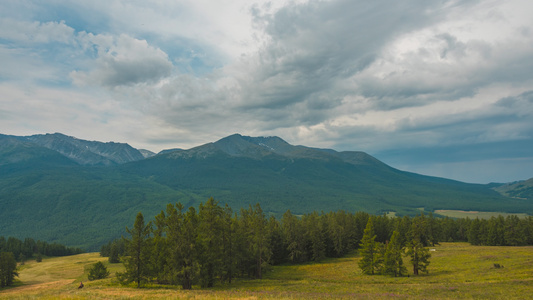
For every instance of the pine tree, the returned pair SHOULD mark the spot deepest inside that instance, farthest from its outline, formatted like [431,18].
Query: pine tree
[316,236]
[138,249]
[182,245]
[369,250]
[293,237]
[229,229]
[416,246]
[159,258]
[210,241]
[419,256]
[8,268]
[393,261]
[98,271]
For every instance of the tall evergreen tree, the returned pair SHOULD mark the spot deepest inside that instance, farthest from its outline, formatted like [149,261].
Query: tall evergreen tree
[418,241]
[279,253]
[515,233]
[229,228]
[210,240]
[393,261]
[419,256]
[314,225]
[138,251]
[8,268]
[293,237]
[369,250]
[160,250]
[259,240]
[190,255]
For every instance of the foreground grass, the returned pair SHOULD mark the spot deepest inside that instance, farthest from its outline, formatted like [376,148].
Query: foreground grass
[457,270]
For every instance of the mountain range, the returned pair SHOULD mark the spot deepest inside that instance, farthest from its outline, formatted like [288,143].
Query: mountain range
[81,193]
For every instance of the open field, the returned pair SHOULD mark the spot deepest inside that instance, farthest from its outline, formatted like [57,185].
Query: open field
[476,214]
[457,270]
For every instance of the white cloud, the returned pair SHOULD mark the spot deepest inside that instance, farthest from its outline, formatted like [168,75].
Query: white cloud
[347,74]
[123,61]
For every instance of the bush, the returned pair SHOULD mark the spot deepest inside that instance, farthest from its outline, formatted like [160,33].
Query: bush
[98,271]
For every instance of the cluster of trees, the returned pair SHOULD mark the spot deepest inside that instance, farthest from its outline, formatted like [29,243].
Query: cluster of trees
[13,250]
[500,231]
[212,243]
[114,250]
[189,247]
[26,249]
[387,258]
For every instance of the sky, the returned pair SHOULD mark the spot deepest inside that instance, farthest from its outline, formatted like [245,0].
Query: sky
[437,87]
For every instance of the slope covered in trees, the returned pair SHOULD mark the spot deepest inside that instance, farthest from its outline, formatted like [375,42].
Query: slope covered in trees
[46,195]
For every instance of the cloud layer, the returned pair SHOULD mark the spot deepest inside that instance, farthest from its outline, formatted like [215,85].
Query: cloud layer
[401,80]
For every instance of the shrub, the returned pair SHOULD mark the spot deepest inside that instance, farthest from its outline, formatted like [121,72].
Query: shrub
[98,271]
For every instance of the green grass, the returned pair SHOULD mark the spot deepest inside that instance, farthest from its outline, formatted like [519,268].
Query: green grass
[457,271]
[476,214]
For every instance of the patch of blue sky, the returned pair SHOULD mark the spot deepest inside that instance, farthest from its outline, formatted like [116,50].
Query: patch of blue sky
[79,18]
[190,57]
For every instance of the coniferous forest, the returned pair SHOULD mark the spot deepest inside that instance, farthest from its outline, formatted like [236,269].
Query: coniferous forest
[13,250]
[214,244]
[28,248]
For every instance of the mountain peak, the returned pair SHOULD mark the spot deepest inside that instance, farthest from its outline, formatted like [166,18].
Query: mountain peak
[87,152]
[238,145]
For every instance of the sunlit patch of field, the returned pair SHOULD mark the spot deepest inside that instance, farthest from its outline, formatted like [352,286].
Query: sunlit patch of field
[457,270]
[476,214]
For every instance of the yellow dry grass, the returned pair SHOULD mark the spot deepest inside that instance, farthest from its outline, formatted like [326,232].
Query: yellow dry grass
[476,214]
[457,271]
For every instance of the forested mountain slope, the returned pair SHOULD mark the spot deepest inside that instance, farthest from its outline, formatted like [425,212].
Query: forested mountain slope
[51,196]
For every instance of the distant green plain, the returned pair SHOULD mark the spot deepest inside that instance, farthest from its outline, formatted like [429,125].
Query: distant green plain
[456,271]
[476,214]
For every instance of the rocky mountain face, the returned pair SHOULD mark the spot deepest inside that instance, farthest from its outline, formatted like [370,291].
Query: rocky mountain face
[87,152]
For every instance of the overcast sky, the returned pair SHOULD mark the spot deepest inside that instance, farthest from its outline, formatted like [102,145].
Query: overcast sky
[442,88]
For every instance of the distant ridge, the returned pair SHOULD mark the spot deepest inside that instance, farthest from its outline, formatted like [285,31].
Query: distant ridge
[83,193]
[87,152]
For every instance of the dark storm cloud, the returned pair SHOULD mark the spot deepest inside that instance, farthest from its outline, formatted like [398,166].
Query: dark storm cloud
[314,45]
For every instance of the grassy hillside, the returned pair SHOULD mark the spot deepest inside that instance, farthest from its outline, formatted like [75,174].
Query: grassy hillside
[519,190]
[457,271]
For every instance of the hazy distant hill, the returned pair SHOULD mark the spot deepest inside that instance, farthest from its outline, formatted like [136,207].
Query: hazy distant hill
[521,189]
[245,170]
[54,190]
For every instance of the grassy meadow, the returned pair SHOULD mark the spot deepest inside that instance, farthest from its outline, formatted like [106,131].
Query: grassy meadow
[477,214]
[456,271]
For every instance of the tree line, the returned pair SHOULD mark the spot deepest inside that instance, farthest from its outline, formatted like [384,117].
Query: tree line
[29,247]
[13,250]
[213,244]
